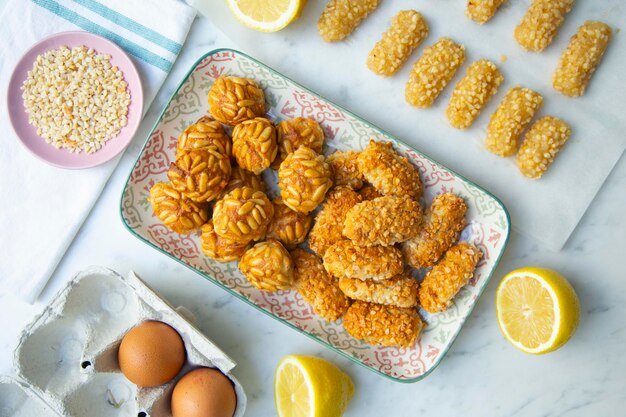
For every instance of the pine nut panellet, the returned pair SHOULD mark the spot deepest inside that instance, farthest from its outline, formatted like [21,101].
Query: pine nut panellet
[200,174]
[542,143]
[442,283]
[243,178]
[243,215]
[219,248]
[341,17]
[481,11]
[204,133]
[541,22]
[268,266]
[254,144]
[304,177]
[176,211]
[432,72]
[235,99]
[408,30]
[507,123]
[378,324]
[289,227]
[473,92]
[581,58]
[293,133]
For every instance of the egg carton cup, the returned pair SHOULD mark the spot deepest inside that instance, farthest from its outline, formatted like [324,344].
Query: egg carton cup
[66,360]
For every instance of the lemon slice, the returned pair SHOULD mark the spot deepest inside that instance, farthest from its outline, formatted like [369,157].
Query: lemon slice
[266,15]
[306,386]
[537,309]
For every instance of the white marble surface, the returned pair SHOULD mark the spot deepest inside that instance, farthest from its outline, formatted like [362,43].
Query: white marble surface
[482,374]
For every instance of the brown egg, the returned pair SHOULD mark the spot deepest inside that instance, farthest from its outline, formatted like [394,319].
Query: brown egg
[151,354]
[204,392]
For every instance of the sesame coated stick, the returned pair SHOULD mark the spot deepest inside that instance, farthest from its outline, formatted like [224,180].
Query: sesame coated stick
[433,71]
[581,58]
[543,141]
[341,17]
[541,22]
[481,11]
[507,123]
[473,92]
[408,30]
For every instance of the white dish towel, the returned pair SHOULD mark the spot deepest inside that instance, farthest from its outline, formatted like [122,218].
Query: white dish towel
[42,207]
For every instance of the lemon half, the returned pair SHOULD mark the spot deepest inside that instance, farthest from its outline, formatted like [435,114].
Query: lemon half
[306,386]
[266,15]
[537,309]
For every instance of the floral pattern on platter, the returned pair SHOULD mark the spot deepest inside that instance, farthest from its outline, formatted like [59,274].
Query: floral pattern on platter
[488,225]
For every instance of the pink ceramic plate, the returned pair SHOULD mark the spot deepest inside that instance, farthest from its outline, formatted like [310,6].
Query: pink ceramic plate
[27,134]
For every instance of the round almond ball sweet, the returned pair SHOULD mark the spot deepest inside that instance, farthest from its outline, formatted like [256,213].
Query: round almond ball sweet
[221,249]
[235,99]
[151,354]
[243,215]
[293,133]
[204,392]
[254,144]
[289,227]
[176,211]
[304,177]
[268,266]
[200,174]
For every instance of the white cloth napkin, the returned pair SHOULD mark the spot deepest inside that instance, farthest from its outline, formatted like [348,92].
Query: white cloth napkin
[42,206]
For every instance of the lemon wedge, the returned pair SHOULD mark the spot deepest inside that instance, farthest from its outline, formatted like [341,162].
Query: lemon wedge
[266,15]
[537,309]
[306,386]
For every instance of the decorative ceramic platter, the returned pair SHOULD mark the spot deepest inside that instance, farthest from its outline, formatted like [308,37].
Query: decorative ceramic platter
[488,221]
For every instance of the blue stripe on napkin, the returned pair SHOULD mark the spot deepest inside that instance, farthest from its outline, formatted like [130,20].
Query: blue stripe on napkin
[86,24]
[127,23]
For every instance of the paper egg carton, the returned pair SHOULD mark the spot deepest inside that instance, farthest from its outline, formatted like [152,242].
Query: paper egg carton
[66,360]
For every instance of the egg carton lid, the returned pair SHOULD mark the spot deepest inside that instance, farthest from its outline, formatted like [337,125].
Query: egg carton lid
[98,359]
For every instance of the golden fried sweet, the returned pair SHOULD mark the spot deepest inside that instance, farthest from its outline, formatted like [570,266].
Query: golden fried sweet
[243,215]
[383,325]
[205,133]
[443,223]
[268,266]
[408,30]
[443,282]
[345,259]
[543,141]
[581,58]
[316,287]
[383,221]
[346,169]
[388,172]
[481,11]
[201,174]
[507,123]
[235,99]
[473,92]
[293,133]
[432,72]
[254,144]
[288,226]
[243,178]
[341,17]
[176,211]
[328,226]
[369,193]
[399,291]
[221,249]
[541,22]
[304,177]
